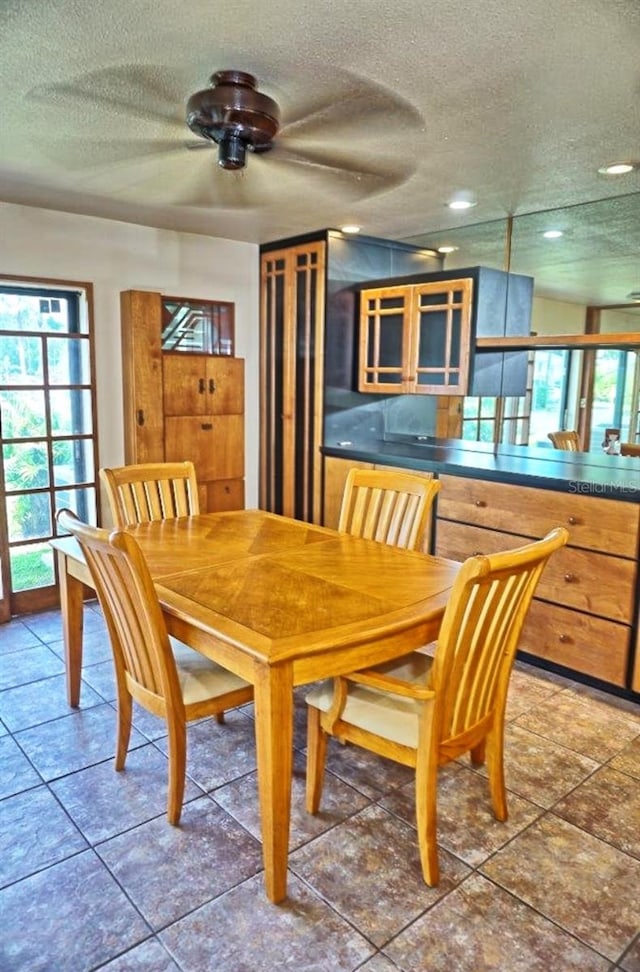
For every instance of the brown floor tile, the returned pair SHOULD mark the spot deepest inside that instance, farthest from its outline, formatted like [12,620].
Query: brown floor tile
[581,883]
[554,886]
[168,871]
[466,824]
[628,761]
[630,961]
[540,770]
[580,723]
[103,803]
[369,870]
[34,833]
[241,930]
[526,690]
[69,918]
[478,927]
[608,806]
[339,801]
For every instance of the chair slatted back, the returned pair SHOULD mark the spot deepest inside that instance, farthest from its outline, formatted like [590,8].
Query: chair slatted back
[390,507]
[127,596]
[151,491]
[569,441]
[479,637]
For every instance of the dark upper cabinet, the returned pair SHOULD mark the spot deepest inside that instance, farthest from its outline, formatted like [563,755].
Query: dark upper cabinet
[417,333]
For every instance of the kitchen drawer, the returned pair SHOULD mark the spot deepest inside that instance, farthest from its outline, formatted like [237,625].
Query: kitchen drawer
[594,523]
[583,643]
[587,581]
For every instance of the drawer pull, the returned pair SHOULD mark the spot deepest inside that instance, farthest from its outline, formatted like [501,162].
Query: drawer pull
[570,578]
[481,503]
[206,426]
[201,386]
[564,639]
[572,520]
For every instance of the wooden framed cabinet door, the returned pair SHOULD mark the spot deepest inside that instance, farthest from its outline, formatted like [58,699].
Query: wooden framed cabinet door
[195,384]
[291,380]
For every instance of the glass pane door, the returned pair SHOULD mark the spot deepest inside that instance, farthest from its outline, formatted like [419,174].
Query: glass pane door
[46,435]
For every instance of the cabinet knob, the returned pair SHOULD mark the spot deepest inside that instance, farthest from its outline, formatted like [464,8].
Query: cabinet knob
[212,385]
[206,426]
[140,417]
[572,520]
[481,503]
[564,639]
[570,578]
[201,386]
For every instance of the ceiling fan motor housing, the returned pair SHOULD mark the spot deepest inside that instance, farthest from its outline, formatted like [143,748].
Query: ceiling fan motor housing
[235,116]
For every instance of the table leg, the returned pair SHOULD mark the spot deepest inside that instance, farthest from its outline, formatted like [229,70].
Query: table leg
[71,605]
[274,745]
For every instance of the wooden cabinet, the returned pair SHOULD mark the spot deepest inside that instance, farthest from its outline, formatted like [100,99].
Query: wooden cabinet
[414,338]
[583,612]
[308,352]
[291,380]
[418,335]
[180,405]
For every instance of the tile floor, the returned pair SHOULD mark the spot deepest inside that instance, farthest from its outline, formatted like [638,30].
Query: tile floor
[92,876]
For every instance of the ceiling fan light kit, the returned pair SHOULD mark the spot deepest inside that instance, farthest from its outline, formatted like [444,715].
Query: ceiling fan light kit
[234,115]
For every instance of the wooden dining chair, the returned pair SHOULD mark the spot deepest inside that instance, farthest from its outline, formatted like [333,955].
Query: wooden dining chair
[172,681]
[630,449]
[151,491]
[388,506]
[425,711]
[569,441]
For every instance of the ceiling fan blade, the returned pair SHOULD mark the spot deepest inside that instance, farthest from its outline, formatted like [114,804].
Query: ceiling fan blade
[80,154]
[364,178]
[144,92]
[354,105]
[213,187]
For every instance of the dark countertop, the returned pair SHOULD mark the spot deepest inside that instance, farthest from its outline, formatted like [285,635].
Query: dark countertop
[587,473]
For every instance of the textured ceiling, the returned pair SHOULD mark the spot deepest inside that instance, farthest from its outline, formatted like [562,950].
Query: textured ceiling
[388,110]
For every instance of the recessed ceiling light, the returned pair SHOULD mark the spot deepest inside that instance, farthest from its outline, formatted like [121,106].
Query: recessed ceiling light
[447,249]
[617,168]
[461,204]
[553,234]
[350,228]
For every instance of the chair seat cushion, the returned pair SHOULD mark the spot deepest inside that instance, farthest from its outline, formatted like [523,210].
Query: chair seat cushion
[200,678]
[391,716]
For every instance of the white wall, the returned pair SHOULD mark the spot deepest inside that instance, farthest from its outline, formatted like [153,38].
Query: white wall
[557,316]
[117,256]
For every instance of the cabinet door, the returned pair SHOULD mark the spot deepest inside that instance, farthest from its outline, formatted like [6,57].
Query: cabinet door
[214,443]
[291,380]
[414,338]
[440,336]
[225,386]
[185,384]
[197,384]
[385,340]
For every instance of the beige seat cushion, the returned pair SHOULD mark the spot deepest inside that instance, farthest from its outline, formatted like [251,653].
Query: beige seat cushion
[391,716]
[201,678]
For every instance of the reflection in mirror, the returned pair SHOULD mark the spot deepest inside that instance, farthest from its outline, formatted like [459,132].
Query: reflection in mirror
[586,266]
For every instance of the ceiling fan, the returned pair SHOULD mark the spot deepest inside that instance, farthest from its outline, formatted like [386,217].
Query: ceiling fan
[345,141]
[234,115]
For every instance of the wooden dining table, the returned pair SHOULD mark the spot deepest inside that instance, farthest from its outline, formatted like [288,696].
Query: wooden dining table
[281,603]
